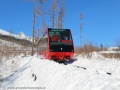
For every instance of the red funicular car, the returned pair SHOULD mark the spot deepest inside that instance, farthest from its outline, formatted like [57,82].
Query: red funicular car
[56,44]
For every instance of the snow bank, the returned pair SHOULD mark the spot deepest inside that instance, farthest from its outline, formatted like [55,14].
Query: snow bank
[61,77]
[83,74]
[9,66]
[109,52]
[92,55]
[113,48]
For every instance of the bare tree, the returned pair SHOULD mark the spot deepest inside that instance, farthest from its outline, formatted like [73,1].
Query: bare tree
[41,1]
[60,16]
[41,12]
[81,28]
[44,26]
[53,11]
[40,9]
[118,43]
[36,11]
[37,33]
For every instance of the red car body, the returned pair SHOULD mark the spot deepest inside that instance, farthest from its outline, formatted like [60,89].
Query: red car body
[60,51]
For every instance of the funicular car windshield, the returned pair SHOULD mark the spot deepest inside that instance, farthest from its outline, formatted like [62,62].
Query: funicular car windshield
[60,38]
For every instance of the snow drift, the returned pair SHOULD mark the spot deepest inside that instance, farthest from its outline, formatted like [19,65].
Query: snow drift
[82,74]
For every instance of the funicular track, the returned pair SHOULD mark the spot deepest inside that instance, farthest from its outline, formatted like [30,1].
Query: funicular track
[70,62]
[80,67]
[67,63]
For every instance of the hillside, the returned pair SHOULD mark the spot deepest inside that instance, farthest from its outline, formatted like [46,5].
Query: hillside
[21,39]
[12,45]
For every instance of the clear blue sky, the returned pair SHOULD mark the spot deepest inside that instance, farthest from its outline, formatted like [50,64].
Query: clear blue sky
[101,19]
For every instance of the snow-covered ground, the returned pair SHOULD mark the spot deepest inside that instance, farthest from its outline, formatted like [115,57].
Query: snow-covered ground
[36,73]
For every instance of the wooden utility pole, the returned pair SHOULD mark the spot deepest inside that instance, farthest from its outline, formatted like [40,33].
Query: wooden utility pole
[33,28]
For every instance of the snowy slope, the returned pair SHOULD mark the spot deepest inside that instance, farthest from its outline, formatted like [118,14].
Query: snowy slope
[21,35]
[83,74]
[8,43]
